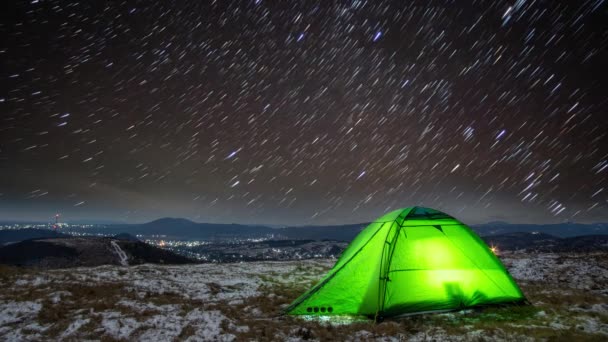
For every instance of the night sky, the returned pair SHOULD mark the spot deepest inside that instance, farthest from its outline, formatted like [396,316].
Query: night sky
[313,112]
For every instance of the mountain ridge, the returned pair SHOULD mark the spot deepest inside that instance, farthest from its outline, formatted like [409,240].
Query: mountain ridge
[184,229]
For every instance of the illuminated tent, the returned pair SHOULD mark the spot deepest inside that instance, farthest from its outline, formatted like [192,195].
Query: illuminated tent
[411,260]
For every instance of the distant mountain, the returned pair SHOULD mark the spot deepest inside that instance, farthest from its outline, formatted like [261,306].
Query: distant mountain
[521,240]
[89,251]
[348,232]
[95,221]
[539,242]
[311,249]
[126,237]
[497,223]
[586,243]
[567,229]
[16,235]
[126,250]
[165,221]
[338,233]
[182,229]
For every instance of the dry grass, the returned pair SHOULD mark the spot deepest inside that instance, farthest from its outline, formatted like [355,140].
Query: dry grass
[9,272]
[553,304]
[506,322]
[88,301]
[566,297]
[186,332]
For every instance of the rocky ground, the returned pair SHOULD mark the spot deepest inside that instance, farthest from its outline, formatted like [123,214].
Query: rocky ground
[243,301]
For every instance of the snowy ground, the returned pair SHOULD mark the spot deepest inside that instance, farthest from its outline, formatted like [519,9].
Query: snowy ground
[244,301]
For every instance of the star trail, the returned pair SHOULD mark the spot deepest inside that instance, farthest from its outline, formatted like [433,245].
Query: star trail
[304,112]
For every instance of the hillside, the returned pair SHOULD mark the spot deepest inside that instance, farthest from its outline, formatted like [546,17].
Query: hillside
[539,242]
[184,230]
[244,302]
[563,230]
[16,235]
[89,251]
[314,249]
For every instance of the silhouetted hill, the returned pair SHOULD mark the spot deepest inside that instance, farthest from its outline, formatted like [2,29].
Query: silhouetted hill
[539,242]
[338,233]
[95,251]
[586,243]
[520,240]
[95,221]
[89,251]
[348,232]
[169,221]
[182,229]
[125,236]
[563,230]
[311,249]
[16,235]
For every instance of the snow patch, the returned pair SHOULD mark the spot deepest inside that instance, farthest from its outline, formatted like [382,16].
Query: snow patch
[117,326]
[208,324]
[58,295]
[122,256]
[74,326]
[14,312]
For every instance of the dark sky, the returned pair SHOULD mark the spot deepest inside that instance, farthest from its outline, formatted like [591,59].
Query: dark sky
[313,112]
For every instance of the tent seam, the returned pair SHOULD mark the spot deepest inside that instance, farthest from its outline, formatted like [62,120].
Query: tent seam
[390,257]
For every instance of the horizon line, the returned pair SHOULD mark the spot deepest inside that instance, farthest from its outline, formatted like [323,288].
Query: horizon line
[92,221]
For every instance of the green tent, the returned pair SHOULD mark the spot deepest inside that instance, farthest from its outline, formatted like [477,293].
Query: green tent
[411,260]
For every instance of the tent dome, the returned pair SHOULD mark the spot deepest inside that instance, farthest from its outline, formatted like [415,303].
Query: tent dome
[410,260]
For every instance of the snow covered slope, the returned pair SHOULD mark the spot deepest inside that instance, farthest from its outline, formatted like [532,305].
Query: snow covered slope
[243,301]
